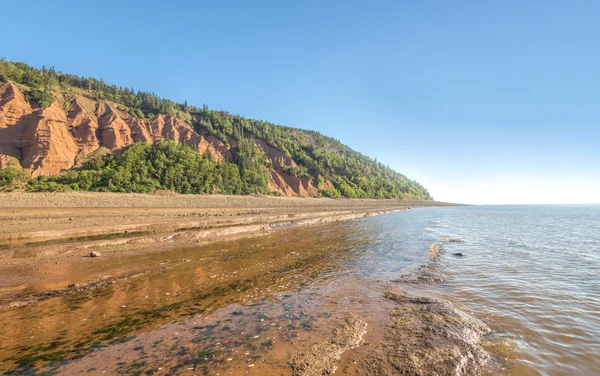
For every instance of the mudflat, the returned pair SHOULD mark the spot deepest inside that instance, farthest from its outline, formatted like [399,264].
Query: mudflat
[177,284]
[43,236]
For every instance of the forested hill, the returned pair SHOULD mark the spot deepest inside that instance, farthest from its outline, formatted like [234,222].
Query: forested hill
[64,132]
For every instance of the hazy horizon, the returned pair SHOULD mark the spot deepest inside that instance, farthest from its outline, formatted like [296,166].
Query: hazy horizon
[583,204]
[480,103]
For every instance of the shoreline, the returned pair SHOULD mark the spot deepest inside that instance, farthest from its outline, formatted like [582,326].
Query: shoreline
[43,235]
[52,260]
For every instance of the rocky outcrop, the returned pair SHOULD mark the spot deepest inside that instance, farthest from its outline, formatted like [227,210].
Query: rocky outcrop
[47,145]
[281,180]
[428,336]
[216,147]
[115,133]
[302,186]
[322,358]
[276,157]
[13,107]
[84,125]
[49,141]
[39,139]
[170,128]
[277,183]
[139,132]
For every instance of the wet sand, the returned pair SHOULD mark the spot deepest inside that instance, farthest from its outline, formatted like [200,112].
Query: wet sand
[46,238]
[197,290]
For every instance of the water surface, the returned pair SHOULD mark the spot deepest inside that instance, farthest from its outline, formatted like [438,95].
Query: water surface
[533,273]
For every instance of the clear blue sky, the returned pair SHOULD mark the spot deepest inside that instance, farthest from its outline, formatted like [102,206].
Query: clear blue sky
[480,101]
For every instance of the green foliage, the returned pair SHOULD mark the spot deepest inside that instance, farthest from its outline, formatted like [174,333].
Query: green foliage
[330,192]
[145,168]
[300,172]
[40,82]
[252,163]
[231,181]
[40,96]
[318,157]
[12,175]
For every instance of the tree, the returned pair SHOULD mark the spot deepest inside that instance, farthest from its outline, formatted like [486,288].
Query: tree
[40,96]
[251,162]
[11,175]
[319,158]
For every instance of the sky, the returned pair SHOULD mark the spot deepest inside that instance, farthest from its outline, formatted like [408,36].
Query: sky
[482,102]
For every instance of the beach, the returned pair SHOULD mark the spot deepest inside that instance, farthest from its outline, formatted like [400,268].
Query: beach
[44,235]
[62,248]
[169,284]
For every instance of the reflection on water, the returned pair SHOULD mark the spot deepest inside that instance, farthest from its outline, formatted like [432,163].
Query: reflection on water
[245,306]
[198,283]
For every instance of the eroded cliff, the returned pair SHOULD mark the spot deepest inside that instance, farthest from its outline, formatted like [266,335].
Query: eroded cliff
[48,141]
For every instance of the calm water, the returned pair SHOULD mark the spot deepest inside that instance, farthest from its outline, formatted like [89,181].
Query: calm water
[531,272]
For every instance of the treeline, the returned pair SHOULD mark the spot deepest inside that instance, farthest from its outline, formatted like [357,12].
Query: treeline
[164,165]
[42,82]
[321,158]
[318,157]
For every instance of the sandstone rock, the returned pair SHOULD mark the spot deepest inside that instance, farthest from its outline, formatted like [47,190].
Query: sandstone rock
[84,125]
[114,132]
[47,145]
[428,336]
[49,141]
[217,148]
[13,107]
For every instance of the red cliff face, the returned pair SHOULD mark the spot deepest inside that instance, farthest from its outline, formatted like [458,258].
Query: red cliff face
[13,108]
[48,141]
[115,133]
[84,124]
[47,145]
[281,181]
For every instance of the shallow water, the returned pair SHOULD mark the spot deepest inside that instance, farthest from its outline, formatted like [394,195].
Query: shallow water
[246,306]
[533,273]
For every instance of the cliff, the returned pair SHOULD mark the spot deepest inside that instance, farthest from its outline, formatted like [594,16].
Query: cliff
[52,122]
[47,141]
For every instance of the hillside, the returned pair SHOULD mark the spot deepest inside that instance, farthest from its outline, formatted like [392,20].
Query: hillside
[65,132]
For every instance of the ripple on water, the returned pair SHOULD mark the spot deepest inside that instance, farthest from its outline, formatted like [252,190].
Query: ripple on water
[535,270]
